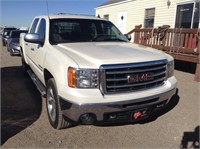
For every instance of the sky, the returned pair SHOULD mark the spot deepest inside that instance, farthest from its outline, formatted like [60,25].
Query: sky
[20,13]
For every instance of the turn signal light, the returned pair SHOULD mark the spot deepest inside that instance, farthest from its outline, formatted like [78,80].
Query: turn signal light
[71,77]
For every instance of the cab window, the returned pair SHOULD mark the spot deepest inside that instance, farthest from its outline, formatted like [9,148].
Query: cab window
[42,28]
[33,27]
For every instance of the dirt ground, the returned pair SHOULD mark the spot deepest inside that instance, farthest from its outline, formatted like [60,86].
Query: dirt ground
[24,121]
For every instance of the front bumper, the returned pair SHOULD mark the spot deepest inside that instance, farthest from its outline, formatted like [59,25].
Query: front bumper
[100,110]
[15,49]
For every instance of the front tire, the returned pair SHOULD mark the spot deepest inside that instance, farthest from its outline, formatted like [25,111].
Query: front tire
[4,44]
[8,49]
[55,115]
[25,67]
[11,53]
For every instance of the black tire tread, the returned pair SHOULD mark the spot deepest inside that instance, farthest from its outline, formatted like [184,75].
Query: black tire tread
[25,67]
[60,122]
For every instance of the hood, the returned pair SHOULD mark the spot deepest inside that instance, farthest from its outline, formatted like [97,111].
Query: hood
[95,54]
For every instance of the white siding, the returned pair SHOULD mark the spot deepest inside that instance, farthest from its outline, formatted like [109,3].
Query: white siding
[136,11]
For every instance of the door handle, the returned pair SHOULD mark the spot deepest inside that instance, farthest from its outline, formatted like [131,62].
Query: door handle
[32,49]
[26,44]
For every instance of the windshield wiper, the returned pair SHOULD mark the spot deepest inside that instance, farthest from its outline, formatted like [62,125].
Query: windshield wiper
[116,39]
[101,37]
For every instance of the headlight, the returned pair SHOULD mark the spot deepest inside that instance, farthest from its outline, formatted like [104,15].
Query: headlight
[83,78]
[170,69]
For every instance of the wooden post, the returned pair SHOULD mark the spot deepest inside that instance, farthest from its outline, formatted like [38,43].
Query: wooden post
[197,73]
[137,34]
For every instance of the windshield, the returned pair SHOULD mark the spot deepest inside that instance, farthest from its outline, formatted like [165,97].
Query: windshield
[6,33]
[83,30]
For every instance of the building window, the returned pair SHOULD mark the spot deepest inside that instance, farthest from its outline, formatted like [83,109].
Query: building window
[106,17]
[149,18]
[187,15]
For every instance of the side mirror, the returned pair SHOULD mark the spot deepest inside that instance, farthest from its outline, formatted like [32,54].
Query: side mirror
[34,38]
[128,36]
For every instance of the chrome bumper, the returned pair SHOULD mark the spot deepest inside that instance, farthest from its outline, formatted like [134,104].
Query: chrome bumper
[74,111]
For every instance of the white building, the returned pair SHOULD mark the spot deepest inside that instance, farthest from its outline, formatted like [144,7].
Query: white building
[125,14]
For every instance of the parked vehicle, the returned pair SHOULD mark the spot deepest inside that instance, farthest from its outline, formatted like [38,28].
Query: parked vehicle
[5,33]
[5,37]
[6,29]
[13,42]
[90,73]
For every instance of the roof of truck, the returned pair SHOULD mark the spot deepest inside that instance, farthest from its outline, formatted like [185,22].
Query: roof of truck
[72,16]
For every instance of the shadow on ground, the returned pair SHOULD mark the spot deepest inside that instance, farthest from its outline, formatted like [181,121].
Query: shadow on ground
[191,139]
[21,103]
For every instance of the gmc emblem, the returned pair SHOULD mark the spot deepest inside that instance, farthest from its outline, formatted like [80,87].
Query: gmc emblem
[135,78]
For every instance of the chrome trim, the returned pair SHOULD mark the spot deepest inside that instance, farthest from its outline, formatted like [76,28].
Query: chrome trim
[158,74]
[124,79]
[138,84]
[135,71]
[119,66]
[159,69]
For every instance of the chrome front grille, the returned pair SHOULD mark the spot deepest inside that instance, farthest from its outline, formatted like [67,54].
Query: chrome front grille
[132,77]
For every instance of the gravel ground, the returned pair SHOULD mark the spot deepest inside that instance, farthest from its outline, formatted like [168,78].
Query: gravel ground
[24,121]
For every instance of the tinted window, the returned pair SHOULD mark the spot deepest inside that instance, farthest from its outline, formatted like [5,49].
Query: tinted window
[16,34]
[6,33]
[33,27]
[42,28]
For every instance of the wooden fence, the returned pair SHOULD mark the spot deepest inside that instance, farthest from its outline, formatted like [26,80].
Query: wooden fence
[183,44]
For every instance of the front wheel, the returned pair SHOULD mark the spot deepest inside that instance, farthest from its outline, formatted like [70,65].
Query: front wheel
[3,43]
[55,115]
[8,49]
[11,53]
[25,67]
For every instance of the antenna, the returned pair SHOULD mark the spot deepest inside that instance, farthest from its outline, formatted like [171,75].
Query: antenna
[47,5]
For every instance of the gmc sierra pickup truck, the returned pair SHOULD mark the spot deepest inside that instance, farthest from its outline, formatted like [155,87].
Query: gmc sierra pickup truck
[90,73]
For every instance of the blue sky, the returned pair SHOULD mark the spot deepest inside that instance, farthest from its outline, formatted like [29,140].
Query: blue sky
[21,12]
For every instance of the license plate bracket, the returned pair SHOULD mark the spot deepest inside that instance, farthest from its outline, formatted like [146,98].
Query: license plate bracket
[140,114]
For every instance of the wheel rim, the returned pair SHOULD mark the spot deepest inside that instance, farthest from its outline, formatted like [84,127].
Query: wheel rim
[51,104]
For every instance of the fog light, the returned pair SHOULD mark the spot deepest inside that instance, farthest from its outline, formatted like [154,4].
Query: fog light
[87,118]
[112,116]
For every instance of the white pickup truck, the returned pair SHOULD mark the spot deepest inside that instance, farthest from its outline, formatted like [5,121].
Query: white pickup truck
[90,73]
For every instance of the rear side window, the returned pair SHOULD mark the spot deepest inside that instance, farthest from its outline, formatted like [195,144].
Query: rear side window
[15,35]
[42,28]
[33,27]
